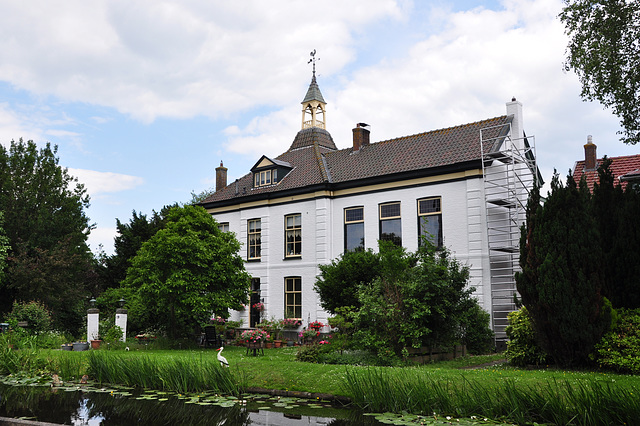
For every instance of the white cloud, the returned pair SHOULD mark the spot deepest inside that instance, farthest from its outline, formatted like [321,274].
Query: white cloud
[465,70]
[177,59]
[105,182]
[102,236]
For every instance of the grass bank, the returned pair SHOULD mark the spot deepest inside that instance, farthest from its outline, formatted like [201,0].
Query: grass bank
[524,396]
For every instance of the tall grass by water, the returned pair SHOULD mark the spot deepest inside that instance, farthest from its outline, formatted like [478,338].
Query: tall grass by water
[179,374]
[556,401]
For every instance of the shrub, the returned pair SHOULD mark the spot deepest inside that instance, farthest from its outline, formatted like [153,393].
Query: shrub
[312,353]
[619,349]
[34,313]
[522,348]
[476,332]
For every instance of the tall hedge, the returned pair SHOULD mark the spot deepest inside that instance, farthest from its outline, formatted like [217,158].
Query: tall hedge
[562,274]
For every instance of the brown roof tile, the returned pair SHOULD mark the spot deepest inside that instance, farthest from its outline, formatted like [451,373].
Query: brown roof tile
[316,160]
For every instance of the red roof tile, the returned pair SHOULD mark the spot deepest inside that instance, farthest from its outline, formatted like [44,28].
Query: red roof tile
[625,165]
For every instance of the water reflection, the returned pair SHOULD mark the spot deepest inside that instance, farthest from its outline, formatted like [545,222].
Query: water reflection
[81,407]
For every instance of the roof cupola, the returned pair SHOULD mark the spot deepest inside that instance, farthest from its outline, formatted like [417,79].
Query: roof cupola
[313,104]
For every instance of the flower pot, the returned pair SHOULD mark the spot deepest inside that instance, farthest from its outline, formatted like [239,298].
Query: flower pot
[278,343]
[80,346]
[269,345]
[95,344]
[290,343]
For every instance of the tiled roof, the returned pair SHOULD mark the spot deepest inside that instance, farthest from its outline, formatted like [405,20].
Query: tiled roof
[313,93]
[628,165]
[311,136]
[437,148]
[316,161]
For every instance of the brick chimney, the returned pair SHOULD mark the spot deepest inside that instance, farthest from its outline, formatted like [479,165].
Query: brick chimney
[360,136]
[221,177]
[590,154]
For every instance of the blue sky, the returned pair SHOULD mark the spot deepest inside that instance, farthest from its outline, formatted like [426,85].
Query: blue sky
[145,98]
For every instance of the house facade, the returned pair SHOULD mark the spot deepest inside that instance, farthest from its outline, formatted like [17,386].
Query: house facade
[464,187]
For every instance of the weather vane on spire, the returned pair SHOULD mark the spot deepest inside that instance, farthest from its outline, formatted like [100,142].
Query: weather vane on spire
[313,60]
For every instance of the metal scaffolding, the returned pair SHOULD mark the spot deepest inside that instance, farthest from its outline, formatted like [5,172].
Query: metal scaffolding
[509,170]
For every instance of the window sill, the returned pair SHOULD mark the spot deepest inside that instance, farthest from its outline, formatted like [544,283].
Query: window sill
[254,260]
[293,257]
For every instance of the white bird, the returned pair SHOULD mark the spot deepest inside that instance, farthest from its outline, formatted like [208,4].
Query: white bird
[223,360]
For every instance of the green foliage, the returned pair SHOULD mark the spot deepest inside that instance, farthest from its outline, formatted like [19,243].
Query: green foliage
[522,348]
[187,270]
[130,238]
[343,327]
[172,374]
[603,51]
[562,273]
[419,300]
[312,353]
[338,281]
[4,248]
[47,228]
[619,349]
[476,332]
[589,401]
[617,214]
[17,354]
[34,313]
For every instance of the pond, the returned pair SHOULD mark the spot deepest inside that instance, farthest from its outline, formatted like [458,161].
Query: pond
[117,405]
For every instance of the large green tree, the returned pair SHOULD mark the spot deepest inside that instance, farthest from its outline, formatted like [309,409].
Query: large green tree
[188,270]
[45,221]
[4,248]
[130,238]
[604,51]
[562,276]
[338,281]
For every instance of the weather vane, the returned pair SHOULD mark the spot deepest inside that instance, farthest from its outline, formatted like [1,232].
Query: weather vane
[313,60]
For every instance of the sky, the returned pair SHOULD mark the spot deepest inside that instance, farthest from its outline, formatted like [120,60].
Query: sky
[145,98]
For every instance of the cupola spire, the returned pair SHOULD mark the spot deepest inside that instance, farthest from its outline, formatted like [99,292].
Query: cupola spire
[313,104]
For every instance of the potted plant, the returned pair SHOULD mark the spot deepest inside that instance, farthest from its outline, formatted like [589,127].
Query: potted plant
[309,335]
[316,325]
[291,323]
[254,337]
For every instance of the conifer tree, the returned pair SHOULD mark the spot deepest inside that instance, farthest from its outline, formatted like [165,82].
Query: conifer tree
[617,214]
[561,278]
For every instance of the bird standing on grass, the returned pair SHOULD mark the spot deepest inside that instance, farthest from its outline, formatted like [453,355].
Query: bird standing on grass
[223,360]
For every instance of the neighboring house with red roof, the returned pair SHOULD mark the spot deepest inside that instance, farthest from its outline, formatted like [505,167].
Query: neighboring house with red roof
[464,187]
[625,169]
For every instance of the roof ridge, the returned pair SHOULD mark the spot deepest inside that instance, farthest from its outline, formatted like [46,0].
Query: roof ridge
[442,129]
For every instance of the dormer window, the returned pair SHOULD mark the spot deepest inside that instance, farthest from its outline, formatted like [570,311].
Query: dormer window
[269,172]
[263,177]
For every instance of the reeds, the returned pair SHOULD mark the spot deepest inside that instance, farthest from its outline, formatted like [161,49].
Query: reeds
[564,402]
[178,374]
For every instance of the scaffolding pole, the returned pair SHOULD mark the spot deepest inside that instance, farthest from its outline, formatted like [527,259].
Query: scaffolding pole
[509,171]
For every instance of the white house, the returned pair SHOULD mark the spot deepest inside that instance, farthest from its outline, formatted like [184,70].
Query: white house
[465,186]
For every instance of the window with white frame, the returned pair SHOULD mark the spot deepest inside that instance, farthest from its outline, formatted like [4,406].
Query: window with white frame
[293,235]
[390,223]
[262,178]
[254,237]
[353,228]
[293,297]
[430,220]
